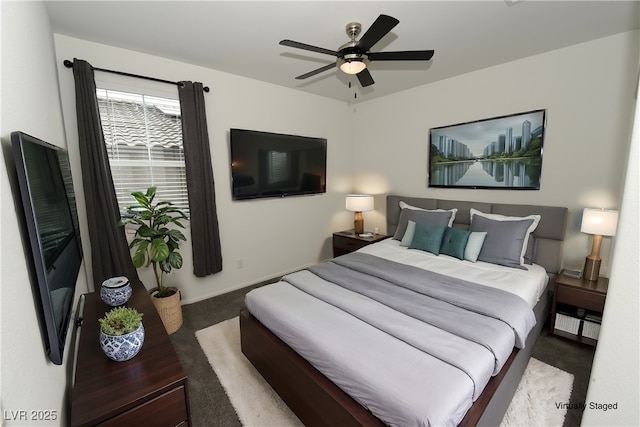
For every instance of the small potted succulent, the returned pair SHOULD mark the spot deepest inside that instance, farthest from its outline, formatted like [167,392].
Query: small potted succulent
[156,245]
[121,333]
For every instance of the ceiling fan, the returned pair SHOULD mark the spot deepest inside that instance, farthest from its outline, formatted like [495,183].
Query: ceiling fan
[354,57]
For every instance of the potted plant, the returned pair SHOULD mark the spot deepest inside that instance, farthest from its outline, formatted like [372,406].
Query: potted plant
[121,333]
[156,244]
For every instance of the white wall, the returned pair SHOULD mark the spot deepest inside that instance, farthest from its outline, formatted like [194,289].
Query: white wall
[614,376]
[30,103]
[588,98]
[269,236]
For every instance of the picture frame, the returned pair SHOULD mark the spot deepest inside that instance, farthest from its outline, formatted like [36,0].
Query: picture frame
[500,153]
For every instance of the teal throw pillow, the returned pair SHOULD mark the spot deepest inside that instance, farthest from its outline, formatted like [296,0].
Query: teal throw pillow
[454,242]
[427,238]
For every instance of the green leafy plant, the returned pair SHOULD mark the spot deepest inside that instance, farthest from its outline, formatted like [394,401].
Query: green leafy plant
[120,321]
[155,243]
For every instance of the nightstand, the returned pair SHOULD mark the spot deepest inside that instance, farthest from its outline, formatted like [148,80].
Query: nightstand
[576,311]
[347,241]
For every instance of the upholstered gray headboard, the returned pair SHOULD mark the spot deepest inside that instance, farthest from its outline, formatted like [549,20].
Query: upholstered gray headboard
[549,234]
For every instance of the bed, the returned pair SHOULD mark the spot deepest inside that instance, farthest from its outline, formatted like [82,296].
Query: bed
[347,357]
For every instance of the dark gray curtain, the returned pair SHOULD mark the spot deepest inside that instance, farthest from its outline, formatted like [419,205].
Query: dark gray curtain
[205,235]
[110,255]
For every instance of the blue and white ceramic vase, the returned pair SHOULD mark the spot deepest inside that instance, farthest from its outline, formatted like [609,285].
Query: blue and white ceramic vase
[122,347]
[115,291]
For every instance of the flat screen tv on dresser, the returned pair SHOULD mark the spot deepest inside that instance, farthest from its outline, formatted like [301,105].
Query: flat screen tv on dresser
[52,235]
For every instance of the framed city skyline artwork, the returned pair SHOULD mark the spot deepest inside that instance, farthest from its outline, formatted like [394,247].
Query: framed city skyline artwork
[499,153]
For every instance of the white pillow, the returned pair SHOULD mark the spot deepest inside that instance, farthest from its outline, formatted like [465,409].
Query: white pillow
[408,234]
[453,211]
[474,245]
[497,217]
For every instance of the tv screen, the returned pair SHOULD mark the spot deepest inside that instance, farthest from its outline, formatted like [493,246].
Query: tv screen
[267,164]
[48,200]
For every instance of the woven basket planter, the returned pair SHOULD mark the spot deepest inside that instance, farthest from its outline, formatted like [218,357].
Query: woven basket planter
[169,309]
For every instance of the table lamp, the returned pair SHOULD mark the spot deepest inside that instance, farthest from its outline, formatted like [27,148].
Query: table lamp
[359,203]
[599,222]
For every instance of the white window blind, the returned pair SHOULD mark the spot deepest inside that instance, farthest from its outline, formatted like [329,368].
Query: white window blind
[278,168]
[143,136]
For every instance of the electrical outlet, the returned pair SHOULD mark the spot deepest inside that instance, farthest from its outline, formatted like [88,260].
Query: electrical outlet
[239,263]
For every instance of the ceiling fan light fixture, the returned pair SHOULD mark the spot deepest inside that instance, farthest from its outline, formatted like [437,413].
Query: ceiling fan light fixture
[354,56]
[353,66]
[353,63]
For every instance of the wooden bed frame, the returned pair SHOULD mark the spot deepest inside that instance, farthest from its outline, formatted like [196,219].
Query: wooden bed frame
[319,402]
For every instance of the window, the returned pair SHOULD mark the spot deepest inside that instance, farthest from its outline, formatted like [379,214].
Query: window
[143,135]
[278,170]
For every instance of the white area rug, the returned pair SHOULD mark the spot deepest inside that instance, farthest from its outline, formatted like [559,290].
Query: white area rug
[257,405]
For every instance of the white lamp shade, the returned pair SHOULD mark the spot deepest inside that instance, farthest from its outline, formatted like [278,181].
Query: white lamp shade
[599,221]
[359,202]
[353,67]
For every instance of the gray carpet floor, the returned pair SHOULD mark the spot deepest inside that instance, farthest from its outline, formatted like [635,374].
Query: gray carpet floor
[210,406]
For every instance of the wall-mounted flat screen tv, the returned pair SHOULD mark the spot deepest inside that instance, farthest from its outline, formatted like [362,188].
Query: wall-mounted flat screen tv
[265,164]
[53,242]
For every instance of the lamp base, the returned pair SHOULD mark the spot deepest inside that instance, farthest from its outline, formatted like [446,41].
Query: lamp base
[358,223]
[591,269]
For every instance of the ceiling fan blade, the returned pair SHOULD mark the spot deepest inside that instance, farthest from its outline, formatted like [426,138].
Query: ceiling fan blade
[304,46]
[365,78]
[378,30]
[318,71]
[409,55]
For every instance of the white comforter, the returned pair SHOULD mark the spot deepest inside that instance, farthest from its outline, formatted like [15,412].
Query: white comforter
[397,382]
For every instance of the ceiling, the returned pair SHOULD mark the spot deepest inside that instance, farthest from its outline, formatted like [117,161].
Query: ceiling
[241,37]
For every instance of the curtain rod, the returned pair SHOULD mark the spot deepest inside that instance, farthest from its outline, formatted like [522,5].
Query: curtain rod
[69,64]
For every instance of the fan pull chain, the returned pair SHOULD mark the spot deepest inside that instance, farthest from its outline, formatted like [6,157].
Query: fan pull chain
[355,94]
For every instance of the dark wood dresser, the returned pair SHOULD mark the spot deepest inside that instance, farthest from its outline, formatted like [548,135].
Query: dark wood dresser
[150,389]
